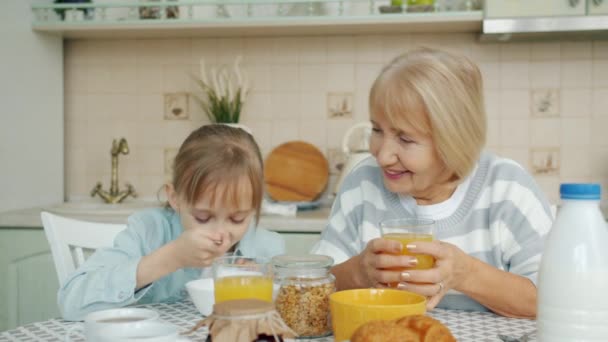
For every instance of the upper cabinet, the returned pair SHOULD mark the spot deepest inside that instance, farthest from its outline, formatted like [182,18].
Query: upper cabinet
[140,19]
[598,7]
[534,8]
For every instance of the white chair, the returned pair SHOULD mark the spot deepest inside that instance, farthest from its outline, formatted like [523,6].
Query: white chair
[70,239]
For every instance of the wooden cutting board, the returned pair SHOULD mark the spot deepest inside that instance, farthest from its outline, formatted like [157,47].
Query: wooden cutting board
[295,171]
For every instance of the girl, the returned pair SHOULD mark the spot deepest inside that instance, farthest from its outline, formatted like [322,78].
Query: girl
[215,193]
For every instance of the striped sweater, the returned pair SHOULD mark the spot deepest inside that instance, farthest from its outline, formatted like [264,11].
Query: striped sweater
[502,220]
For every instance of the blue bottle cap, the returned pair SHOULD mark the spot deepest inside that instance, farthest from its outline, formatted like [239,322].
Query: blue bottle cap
[582,191]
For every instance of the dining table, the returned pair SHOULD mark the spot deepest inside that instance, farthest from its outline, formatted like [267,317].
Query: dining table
[464,325]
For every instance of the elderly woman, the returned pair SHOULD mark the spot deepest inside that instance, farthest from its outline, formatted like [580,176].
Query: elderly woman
[429,129]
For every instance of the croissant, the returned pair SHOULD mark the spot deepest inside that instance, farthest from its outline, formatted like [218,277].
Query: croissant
[406,329]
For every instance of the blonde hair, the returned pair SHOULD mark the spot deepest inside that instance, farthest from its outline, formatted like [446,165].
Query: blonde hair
[439,94]
[219,157]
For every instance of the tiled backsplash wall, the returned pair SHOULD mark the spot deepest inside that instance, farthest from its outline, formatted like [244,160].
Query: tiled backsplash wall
[547,103]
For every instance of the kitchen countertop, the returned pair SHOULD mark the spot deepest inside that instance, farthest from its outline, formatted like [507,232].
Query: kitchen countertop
[307,221]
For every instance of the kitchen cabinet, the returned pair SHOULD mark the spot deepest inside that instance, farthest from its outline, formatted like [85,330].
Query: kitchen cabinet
[28,286]
[597,7]
[299,243]
[99,22]
[534,8]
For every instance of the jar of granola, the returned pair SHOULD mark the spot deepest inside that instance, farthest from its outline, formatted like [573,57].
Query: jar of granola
[305,284]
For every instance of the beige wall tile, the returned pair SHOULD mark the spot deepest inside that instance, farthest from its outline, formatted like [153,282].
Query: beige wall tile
[545,132]
[313,106]
[341,49]
[76,108]
[576,50]
[259,107]
[492,103]
[310,132]
[148,79]
[575,102]
[515,75]
[598,131]
[285,106]
[76,79]
[545,51]
[369,49]
[599,162]
[285,51]
[600,73]
[206,49]
[490,72]
[341,77]
[260,77]
[115,88]
[285,78]
[515,52]
[393,46]
[493,133]
[259,51]
[575,162]
[515,104]
[283,131]
[576,132]
[599,102]
[313,77]
[545,74]
[600,49]
[312,50]
[576,73]
[515,133]
[366,74]
[486,52]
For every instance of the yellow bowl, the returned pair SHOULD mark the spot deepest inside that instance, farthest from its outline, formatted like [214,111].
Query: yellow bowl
[351,308]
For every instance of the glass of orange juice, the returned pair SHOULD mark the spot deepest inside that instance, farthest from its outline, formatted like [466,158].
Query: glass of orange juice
[238,277]
[406,231]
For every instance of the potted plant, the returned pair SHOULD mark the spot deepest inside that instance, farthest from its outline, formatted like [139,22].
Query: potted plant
[224,92]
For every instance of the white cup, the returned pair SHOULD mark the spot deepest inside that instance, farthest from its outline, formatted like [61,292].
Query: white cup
[96,323]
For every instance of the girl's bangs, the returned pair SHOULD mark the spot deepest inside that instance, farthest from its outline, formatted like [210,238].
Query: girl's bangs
[228,191]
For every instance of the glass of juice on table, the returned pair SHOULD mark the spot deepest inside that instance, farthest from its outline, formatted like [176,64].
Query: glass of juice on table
[410,230]
[237,277]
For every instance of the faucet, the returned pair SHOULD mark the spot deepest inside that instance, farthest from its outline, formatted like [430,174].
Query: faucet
[115,195]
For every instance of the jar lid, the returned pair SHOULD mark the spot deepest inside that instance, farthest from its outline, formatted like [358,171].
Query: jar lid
[302,264]
[242,307]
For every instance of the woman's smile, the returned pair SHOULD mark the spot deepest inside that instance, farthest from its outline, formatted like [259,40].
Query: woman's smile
[394,174]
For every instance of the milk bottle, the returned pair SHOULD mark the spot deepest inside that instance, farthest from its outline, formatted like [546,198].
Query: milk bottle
[573,276]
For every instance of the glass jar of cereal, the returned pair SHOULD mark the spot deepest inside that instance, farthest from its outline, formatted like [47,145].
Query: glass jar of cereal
[305,284]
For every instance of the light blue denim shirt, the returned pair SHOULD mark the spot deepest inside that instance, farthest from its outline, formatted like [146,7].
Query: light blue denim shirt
[108,278]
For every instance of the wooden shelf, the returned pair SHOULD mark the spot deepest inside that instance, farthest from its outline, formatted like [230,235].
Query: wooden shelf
[283,26]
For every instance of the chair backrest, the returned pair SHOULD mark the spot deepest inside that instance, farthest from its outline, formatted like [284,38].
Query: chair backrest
[70,239]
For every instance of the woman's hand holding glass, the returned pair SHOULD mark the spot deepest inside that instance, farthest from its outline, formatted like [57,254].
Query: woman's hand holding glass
[199,247]
[452,269]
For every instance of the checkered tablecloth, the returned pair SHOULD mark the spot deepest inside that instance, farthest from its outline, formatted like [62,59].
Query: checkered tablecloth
[466,326]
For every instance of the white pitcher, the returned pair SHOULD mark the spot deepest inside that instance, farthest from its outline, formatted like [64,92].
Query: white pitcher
[357,154]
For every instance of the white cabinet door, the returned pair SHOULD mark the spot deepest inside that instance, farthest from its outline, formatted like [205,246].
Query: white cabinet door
[597,6]
[534,8]
[300,243]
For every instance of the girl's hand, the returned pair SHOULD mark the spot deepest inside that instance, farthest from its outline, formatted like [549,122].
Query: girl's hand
[378,263]
[452,267]
[199,247]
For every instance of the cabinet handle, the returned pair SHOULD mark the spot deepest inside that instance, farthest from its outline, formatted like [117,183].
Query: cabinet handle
[574,3]
[597,2]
